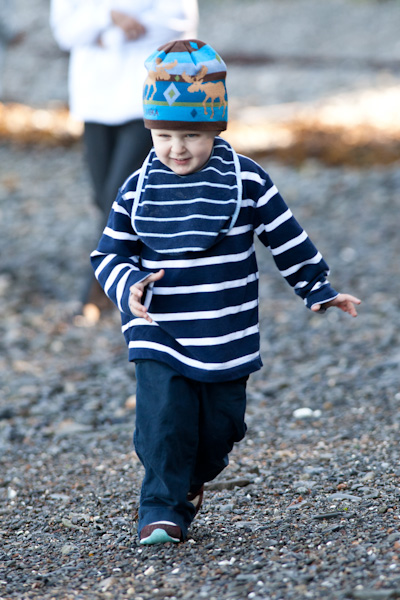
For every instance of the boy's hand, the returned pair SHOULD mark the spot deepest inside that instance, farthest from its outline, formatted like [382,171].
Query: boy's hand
[136,294]
[345,302]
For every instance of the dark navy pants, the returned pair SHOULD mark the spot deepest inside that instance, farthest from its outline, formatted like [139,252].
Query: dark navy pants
[184,432]
[113,152]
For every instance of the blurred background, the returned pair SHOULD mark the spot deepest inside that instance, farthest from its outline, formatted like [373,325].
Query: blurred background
[305,73]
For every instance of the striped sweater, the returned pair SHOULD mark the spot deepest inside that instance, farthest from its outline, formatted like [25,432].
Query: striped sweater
[205,308]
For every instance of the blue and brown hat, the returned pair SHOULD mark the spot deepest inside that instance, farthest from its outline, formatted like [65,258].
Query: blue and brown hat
[185,88]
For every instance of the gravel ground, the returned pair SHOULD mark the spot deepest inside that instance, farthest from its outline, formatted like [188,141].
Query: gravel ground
[309,506]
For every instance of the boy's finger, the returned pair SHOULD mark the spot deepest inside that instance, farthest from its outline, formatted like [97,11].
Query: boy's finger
[141,313]
[352,309]
[155,276]
[348,307]
[135,298]
[136,291]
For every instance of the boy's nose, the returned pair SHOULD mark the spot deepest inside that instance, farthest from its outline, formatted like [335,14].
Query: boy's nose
[178,147]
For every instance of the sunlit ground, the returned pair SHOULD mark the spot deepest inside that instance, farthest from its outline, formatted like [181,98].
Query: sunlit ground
[350,128]
[26,125]
[356,128]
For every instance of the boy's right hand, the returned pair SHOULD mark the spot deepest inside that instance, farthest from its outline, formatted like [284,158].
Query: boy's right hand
[136,295]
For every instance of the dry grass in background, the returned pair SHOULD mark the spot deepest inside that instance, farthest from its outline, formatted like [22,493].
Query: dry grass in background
[357,129]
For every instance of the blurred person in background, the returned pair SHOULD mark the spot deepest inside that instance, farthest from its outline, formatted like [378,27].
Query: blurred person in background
[9,34]
[108,41]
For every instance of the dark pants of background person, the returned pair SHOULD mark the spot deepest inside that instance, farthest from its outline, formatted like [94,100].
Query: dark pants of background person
[113,152]
[184,432]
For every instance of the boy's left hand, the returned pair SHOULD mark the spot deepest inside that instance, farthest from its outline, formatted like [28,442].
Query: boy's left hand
[345,302]
[136,292]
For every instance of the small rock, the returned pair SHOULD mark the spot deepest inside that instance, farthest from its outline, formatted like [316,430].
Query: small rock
[370,476]
[69,427]
[375,594]
[11,493]
[328,515]
[130,403]
[105,584]
[297,505]
[306,413]
[60,497]
[68,549]
[343,496]
[228,484]
[226,507]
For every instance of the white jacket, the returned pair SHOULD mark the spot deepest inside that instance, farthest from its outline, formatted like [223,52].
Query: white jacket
[106,72]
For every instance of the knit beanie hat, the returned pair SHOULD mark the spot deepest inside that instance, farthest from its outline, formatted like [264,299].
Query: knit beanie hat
[185,88]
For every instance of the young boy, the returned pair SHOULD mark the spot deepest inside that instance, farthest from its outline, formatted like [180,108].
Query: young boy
[178,259]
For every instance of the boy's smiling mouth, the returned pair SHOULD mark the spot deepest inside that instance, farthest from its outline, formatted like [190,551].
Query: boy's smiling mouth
[183,151]
[181,162]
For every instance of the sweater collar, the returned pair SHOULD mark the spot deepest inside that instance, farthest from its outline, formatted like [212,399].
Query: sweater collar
[175,214]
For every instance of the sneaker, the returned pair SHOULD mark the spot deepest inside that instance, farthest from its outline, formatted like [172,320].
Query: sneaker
[160,532]
[196,498]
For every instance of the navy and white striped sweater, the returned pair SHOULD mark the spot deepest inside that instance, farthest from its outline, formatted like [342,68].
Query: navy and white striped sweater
[205,308]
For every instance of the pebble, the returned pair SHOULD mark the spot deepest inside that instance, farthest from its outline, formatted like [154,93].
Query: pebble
[228,484]
[366,594]
[306,413]
[393,537]
[69,549]
[106,584]
[343,496]
[329,515]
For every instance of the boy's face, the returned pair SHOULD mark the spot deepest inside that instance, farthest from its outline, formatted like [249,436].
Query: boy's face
[183,151]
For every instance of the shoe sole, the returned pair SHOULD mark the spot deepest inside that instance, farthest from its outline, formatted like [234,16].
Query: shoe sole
[159,536]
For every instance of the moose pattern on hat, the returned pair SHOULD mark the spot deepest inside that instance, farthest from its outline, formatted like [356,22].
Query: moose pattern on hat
[185,88]
[159,74]
[212,90]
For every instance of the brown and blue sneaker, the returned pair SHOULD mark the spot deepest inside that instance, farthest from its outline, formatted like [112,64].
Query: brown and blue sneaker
[196,498]
[161,532]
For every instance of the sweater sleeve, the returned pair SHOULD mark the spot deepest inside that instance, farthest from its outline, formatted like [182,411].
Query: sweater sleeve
[296,257]
[176,19]
[76,23]
[116,261]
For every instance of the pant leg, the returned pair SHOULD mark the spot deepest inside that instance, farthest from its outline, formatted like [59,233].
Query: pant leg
[113,152]
[99,148]
[3,47]
[132,143]
[221,424]
[98,143]
[166,441]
